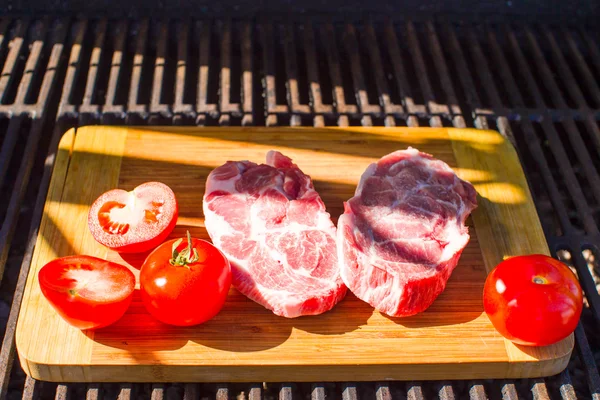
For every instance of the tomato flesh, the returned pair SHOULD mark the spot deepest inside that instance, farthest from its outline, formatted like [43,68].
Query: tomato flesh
[533,300]
[185,295]
[136,221]
[87,292]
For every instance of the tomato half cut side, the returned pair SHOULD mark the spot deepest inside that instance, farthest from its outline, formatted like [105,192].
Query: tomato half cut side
[136,221]
[86,291]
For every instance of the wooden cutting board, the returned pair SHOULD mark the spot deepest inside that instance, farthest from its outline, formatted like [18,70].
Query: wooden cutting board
[453,339]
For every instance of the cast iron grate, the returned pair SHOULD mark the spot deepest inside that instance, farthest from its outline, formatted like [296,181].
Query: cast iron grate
[538,84]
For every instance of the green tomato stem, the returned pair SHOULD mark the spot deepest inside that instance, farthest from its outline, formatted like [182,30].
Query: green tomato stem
[189,255]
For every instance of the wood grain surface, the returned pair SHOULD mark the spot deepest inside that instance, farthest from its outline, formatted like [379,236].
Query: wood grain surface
[453,339]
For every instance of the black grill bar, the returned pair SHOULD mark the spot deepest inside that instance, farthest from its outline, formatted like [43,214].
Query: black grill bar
[180,109]
[319,109]
[158,392]
[436,52]
[567,391]
[391,110]
[157,109]
[569,177]
[110,109]
[358,80]
[415,46]
[414,391]
[266,34]
[87,109]
[530,139]
[13,55]
[204,109]
[391,42]
[466,78]
[291,70]
[226,108]
[335,75]
[445,391]
[93,391]
[247,78]
[134,109]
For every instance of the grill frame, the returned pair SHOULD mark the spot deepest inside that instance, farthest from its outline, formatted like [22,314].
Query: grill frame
[99,54]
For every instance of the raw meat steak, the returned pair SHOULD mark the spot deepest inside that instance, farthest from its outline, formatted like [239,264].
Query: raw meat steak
[402,233]
[272,225]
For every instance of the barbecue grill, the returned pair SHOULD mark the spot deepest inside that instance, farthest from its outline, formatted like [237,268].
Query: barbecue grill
[530,71]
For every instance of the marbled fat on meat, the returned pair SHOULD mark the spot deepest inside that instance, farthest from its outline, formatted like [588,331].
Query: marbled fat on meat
[272,225]
[402,233]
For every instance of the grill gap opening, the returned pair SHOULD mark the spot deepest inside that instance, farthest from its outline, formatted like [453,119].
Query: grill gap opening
[124,76]
[368,67]
[414,89]
[16,74]
[303,83]
[40,66]
[167,93]
[438,93]
[214,67]
[235,94]
[493,67]
[13,167]
[82,66]
[103,70]
[522,84]
[576,164]
[388,67]
[3,129]
[555,169]
[355,121]
[540,194]
[345,65]
[190,87]
[549,56]
[472,68]
[455,82]
[575,67]
[144,91]
[281,91]
[323,67]
[530,59]
[8,35]
[590,141]
[258,101]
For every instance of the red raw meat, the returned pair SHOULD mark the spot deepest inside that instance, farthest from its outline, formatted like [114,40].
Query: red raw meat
[272,225]
[402,233]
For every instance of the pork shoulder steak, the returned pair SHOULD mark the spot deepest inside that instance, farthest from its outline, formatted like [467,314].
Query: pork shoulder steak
[402,233]
[272,225]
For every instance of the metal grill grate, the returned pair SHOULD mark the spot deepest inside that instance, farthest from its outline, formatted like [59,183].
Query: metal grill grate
[537,84]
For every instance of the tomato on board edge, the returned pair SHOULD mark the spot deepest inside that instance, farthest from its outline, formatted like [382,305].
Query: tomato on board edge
[86,291]
[136,221]
[185,283]
[533,300]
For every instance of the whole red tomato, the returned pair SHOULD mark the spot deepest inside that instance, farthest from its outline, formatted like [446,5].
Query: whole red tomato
[86,291]
[533,300]
[185,283]
[136,221]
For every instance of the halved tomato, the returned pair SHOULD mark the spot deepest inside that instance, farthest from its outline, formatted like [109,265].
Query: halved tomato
[136,221]
[86,291]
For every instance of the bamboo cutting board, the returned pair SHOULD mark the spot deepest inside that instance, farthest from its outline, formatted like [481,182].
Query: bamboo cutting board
[453,339]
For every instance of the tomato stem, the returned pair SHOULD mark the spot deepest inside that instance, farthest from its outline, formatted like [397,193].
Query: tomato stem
[189,255]
[539,280]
